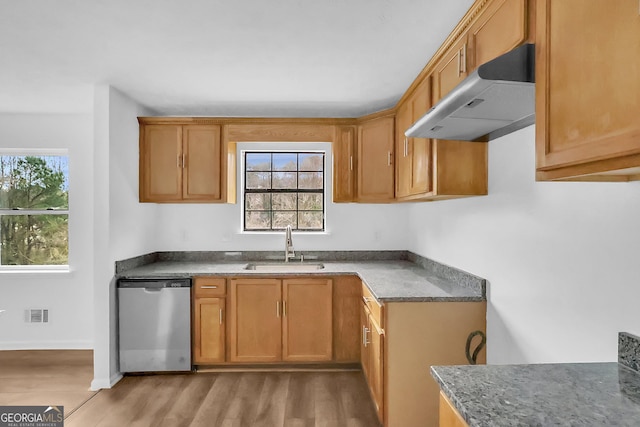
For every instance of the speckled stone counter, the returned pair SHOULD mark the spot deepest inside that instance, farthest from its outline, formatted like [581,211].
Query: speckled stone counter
[568,394]
[389,280]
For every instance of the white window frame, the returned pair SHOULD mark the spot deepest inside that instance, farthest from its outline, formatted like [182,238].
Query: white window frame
[280,148]
[19,212]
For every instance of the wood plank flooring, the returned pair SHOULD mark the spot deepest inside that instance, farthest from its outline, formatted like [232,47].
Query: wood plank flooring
[232,399]
[46,377]
[225,399]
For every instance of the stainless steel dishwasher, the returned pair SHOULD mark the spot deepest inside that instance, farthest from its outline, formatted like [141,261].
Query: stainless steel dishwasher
[154,324]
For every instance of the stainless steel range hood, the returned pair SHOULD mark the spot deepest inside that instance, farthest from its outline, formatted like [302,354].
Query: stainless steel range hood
[494,100]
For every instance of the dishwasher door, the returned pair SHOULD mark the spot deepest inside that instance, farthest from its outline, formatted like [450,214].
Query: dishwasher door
[154,325]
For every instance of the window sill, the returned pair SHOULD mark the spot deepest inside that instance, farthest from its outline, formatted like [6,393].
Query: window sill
[35,271]
[281,233]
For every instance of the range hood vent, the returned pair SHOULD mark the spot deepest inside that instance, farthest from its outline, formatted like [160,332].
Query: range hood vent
[496,99]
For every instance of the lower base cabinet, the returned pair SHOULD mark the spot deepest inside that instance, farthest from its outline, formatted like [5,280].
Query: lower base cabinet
[280,320]
[291,320]
[209,326]
[449,417]
[400,341]
[372,357]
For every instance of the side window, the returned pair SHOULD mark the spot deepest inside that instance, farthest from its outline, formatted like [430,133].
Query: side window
[283,188]
[34,210]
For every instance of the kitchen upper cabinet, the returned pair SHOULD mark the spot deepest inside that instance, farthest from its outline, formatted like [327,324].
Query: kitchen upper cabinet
[255,320]
[420,147]
[501,27]
[587,90]
[413,155]
[375,161]
[209,320]
[460,169]
[403,157]
[344,164]
[274,320]
[498,27]
[451,69]
[201,168]
[180,163]
[307,334]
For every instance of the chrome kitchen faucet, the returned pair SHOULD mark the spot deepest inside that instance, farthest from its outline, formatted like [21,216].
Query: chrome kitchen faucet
[288,245]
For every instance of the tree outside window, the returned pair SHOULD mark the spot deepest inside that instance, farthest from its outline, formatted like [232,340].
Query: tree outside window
[34,210]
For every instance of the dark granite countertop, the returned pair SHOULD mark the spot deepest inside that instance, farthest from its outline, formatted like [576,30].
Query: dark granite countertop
[568,394]
[389,280]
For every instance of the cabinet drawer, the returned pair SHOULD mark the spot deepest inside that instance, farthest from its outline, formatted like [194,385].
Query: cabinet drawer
[209,286]
[375,307]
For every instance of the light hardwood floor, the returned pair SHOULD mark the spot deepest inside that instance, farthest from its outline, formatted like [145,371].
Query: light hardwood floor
[46,377]
[225,399]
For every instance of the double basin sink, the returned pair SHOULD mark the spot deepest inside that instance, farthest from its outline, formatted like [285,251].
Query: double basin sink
[287,266]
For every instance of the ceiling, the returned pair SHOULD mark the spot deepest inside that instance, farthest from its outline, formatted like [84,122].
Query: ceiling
[293,58]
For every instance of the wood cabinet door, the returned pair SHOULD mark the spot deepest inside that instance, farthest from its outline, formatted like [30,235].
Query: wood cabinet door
[343,148]
[449,417]
[365,339]
[403,151]
[307,330]
[420,148]
[376,366]
[587,85]
[255,320]
[451,69]
[499,29]
[375,161]
[209,326]
[161,163]
[202,167]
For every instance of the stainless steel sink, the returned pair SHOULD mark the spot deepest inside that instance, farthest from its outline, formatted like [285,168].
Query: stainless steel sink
[285,266]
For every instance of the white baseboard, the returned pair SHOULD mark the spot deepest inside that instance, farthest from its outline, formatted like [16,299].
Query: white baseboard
[99,383]
[46,345]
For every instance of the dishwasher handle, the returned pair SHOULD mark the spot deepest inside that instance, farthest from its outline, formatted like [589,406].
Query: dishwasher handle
[149,284]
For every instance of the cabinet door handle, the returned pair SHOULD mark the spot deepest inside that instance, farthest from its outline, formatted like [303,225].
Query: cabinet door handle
[184,160]
[463,58]
[284,308]
[459,62]
[209,287]
[351,162]
[406,146]
[365,331]
[221,316]
[178,161]
[388,158]
[366,300]
[277,308]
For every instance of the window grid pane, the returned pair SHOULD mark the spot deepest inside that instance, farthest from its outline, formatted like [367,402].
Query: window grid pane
[34,210]
[284,188]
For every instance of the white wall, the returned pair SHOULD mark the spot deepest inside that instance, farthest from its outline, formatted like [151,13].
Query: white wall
[350,226]
[123,227]
[561,258]
[68,296]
